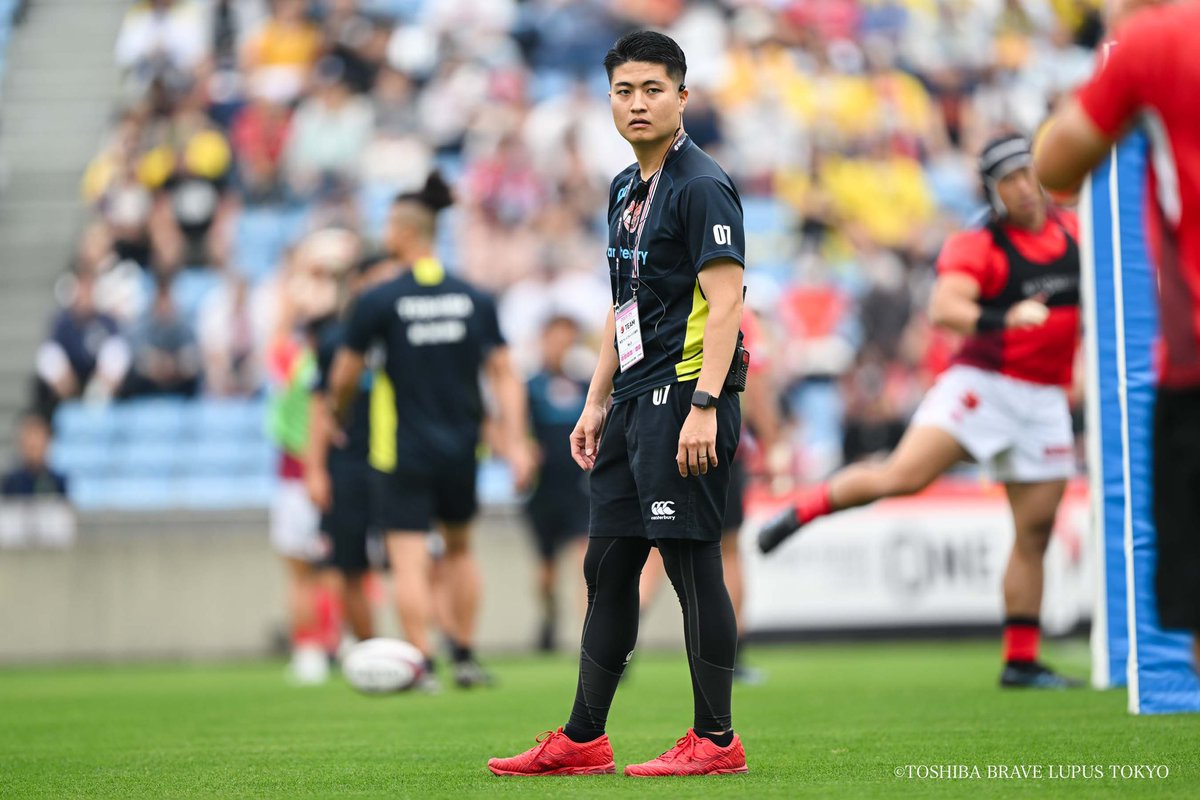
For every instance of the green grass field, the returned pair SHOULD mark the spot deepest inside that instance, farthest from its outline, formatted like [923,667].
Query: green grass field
[832,721]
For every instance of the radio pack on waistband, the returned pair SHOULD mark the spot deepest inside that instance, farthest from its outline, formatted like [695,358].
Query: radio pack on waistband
[735,380]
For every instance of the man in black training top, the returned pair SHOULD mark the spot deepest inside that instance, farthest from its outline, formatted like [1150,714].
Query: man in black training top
[660,472]
[437,333]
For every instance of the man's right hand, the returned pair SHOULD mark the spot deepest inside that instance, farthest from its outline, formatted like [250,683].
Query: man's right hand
[1027,313]
[585,439]
[320,491]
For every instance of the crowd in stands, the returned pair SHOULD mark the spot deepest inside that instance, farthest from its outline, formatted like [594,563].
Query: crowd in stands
[259,143]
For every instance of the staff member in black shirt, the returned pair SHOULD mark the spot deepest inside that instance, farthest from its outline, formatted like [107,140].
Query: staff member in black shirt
[437,333]
[660,471]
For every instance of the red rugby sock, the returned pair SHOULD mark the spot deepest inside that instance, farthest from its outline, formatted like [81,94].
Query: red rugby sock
[814,502]
[1022,637]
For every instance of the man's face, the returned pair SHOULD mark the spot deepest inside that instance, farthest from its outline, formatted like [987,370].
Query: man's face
[1021,195]
[647,106]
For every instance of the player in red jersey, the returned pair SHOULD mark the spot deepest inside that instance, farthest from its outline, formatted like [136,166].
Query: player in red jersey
[1012,288]
[1150,74]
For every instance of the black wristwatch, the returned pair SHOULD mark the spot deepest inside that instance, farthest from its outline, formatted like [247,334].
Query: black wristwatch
[703,399]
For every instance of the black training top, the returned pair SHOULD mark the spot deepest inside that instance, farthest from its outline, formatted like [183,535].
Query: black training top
[358,431]
[436,332]
[694,216]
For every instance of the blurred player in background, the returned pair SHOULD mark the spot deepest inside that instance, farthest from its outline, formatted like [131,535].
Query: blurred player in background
[437,333]
[336,470]
[1012,289]
[308,291]
[1151,74]
[760,434]
[558,507]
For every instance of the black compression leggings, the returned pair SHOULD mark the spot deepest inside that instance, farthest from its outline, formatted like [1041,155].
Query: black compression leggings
[612,568]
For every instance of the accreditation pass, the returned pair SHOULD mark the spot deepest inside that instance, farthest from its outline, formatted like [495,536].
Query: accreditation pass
[629,334]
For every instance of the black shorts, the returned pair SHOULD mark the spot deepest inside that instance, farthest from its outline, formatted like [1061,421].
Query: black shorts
[413,500]
[1177,506]
[558,511]
[735,503]
[349,517]
[635,486]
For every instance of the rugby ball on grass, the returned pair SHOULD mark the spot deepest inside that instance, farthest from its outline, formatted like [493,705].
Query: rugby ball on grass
[383,666]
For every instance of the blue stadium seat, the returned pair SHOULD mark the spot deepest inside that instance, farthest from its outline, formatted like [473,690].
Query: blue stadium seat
[237,419]
[77,422]
[762,215]
[225,491]
[148,493]
[151,418]
[233,457]
[190,288]
[374,200]
[148,457]
[80,457]
[495,483]
[263,233]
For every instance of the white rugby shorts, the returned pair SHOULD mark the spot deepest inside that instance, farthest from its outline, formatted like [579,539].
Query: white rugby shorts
[1020,430]
[295,522]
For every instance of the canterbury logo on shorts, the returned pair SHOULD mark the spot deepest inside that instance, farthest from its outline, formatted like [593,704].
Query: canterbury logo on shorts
[659,397]
[662,510]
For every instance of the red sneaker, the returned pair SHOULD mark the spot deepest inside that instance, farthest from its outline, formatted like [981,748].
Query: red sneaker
[557,754]
[694,755]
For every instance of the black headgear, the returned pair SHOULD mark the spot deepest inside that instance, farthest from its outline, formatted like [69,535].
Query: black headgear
[1001,157]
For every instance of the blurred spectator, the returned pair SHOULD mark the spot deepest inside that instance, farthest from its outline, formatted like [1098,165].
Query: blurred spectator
[329,132]
[230,331]
[166,359]
[879,396]
[189,167]
[161,39]
[32,476]
[358,41]
[259,135]
[284,48]
[84,354]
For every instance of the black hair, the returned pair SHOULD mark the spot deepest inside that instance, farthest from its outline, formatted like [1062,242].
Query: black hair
[433,196]
[651,47]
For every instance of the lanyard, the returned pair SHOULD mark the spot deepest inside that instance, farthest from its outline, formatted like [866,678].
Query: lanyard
[643,215]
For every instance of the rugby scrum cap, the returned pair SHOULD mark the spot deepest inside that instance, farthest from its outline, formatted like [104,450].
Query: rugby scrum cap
[1001,157]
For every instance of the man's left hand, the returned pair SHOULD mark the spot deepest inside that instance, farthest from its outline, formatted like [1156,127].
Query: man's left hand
[697,452]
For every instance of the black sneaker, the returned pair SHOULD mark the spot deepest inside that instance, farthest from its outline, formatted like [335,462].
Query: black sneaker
[779,528]
[1035,675]
[470,673]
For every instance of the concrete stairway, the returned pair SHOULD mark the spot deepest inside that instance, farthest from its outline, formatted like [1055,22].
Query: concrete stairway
[58,98]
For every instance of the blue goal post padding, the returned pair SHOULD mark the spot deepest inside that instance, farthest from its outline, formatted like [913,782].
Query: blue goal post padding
[1121,326]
